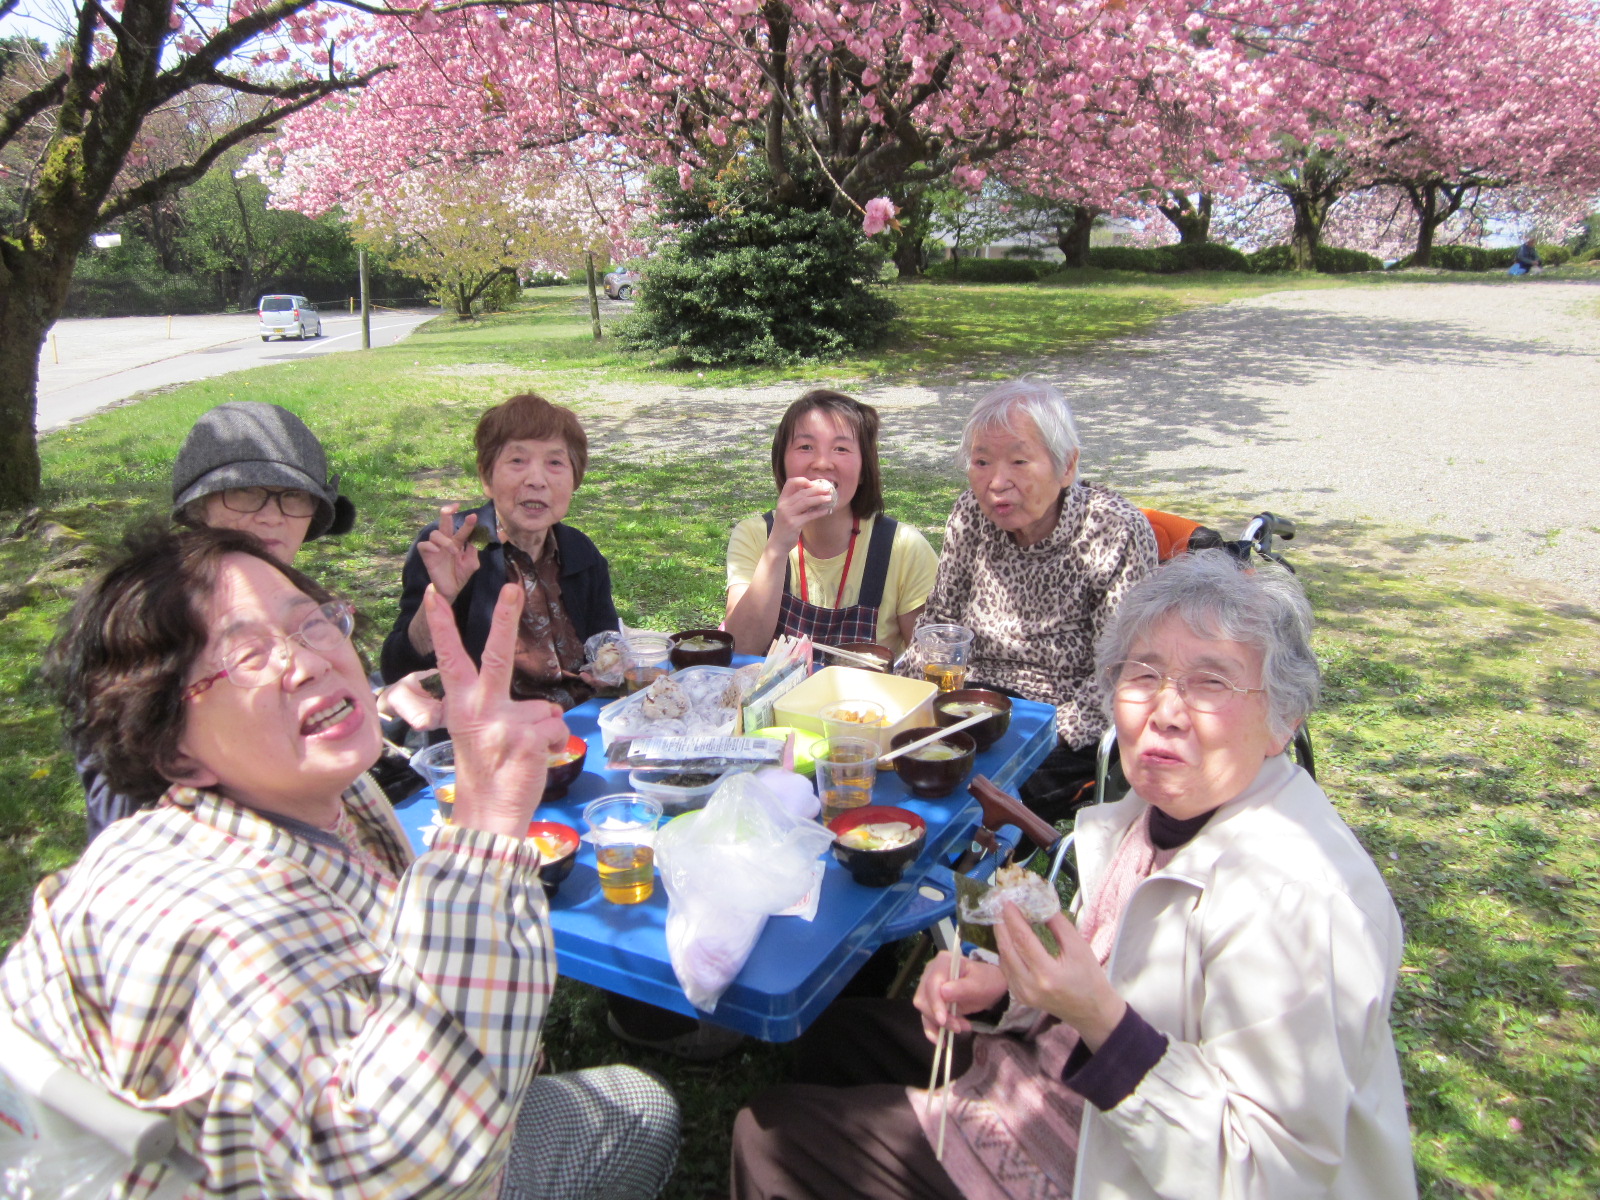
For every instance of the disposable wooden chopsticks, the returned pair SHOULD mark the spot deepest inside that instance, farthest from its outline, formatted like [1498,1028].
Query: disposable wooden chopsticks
[944,1048]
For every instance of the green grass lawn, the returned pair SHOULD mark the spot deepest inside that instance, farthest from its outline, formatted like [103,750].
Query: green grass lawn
[1456,737]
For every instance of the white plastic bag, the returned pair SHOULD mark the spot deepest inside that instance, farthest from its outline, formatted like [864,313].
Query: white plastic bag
[726,869]
[44,1156]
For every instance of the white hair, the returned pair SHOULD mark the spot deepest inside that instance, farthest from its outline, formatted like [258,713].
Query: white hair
[1218,597]
[1043,404]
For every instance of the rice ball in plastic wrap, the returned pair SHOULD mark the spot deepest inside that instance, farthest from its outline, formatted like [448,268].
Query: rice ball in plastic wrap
[666,698]
[605,659]
[667,727]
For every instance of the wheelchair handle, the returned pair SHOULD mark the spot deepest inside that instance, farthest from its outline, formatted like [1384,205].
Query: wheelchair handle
[1000,809]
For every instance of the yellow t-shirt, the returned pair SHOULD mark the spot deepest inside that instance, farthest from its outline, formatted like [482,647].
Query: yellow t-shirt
[912,568]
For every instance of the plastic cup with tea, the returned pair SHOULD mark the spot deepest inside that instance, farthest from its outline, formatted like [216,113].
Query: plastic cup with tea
[847,768]
[645,658]
[437,764]
[623,828]
[945,651]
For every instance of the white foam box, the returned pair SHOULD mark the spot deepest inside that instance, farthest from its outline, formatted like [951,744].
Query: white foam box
[907,703]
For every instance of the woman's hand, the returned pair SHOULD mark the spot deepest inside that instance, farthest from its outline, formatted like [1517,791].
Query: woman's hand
[1071,987]
[450,557]
[502,745]
[801,502]
[409,700]
[944,1002]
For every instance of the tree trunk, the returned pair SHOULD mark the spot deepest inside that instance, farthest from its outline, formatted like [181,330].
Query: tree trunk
[1310,214]
[1434,204]
[1193,222]
[1426,203]
[33,287]
[1072,236]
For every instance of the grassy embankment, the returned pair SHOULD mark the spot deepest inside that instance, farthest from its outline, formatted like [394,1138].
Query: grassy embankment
[1456,735]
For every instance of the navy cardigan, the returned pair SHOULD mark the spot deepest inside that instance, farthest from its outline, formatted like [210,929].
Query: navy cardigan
[585,593]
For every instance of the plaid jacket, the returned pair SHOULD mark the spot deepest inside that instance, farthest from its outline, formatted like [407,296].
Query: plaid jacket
[318,1029]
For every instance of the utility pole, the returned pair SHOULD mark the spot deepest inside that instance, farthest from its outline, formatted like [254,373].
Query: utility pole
[366,305]
[594,297]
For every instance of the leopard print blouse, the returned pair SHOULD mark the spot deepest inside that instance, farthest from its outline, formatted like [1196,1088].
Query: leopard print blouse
[1035,612]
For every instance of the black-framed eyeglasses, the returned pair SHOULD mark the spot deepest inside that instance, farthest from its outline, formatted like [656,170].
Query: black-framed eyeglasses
[1203,691]
[257,659]
[292,502]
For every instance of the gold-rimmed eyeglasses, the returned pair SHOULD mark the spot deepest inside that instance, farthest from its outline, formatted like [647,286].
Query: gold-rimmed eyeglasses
[257,659]
[1202,691]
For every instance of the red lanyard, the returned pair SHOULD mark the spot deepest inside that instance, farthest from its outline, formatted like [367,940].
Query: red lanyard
[805,597]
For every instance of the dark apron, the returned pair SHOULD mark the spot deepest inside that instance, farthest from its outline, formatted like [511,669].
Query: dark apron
[857,622]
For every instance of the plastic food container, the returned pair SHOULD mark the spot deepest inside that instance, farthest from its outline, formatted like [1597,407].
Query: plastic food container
[625,717]
[907,703]
[674,798]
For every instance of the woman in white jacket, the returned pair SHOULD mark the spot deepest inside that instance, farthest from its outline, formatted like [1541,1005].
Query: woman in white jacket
[1216,1022]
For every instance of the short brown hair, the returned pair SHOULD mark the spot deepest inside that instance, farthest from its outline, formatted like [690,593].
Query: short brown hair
[530,418]
[120,664]
[862,419]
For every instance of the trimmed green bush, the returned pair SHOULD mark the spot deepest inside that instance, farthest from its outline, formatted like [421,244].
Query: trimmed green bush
[1129,258]
[1336,260]
[990,270]
[1169,260]
[1269,260]
[1490,258]
[1204,256]
[762,285]
[1328,260]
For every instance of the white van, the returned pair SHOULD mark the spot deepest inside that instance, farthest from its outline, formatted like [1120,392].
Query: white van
[282,316]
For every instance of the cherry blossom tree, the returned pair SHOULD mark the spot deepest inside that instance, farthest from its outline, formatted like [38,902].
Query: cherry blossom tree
[461,231]
[1439,98]
[79,117]
[866,94]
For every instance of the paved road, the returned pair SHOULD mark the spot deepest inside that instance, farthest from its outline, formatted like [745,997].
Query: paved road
[1461,418]
[105,360]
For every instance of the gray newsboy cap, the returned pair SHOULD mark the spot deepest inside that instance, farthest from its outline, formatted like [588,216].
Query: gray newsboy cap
[247,443]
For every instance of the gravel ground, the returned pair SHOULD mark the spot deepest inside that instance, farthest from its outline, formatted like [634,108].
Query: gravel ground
[1457,419]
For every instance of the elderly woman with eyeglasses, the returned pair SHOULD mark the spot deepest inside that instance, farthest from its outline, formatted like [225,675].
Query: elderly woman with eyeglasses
[261,955]
[257,468]
[1215,1018]
[1035,561]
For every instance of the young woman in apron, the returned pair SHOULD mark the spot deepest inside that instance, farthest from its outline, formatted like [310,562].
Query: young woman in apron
[826,561]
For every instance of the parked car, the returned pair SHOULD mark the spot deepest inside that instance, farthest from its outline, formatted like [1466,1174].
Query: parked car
[283,316]
[620,283]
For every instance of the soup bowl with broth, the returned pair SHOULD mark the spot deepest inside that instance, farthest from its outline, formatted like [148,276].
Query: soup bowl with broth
[938,768]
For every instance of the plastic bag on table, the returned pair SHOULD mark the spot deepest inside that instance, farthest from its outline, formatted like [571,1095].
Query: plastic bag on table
[726,869]
[44,1156]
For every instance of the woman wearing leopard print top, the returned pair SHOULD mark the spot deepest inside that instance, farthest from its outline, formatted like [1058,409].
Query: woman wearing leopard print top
[1034,563]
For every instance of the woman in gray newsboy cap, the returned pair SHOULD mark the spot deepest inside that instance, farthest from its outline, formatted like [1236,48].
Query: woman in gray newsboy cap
[256,467]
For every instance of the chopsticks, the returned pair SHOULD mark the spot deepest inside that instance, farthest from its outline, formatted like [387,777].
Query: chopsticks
[944,1048]
[864,660]
[933,737]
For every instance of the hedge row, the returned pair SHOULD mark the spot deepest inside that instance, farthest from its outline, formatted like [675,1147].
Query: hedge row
[991,270]
[1479,258]
[1329,260]
[1169,260]
[1157,260]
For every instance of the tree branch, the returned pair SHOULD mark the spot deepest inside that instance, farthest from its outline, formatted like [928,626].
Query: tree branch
[27,107]
[178,177]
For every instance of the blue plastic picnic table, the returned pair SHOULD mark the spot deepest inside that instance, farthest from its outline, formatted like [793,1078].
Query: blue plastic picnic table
[798,966]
